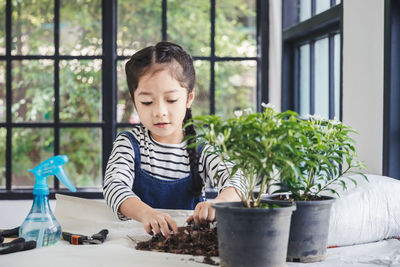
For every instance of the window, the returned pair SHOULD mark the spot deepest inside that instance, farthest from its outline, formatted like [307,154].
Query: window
[391,130]
[62,83]
[311,74]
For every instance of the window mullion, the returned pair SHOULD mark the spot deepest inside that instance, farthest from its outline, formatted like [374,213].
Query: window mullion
[263,53]
[109,81]
[212,58]
[296,80]
[391,115]
[312,78]
[8,96]
[331,76]
[313,7]
[56,83]
[164,24]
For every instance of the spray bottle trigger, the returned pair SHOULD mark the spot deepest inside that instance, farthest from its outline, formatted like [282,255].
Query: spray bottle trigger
[60,174]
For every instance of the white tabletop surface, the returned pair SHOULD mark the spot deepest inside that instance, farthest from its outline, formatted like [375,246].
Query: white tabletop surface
[90,216]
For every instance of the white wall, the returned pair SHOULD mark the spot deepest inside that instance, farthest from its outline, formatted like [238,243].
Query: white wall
[363,45]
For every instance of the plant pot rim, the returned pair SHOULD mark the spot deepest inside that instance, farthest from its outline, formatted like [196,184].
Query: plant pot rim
[316,202]
[327,201]
[238,205]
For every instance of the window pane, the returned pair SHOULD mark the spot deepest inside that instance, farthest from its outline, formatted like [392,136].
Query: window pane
[235,87]
[32,90]
[30,146]
[304,73]
[80,27]
[139,25]
[201,104]
[304,9]
[321,76]
[2,27]
[2,91]
[3,157]
[32,27]
[337,75]
[322,5]
[125,109]
[235,33]
[338,2]
[80,90]
[189,25]
[83,148]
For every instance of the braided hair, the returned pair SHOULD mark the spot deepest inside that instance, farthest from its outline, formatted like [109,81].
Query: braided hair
[167,55]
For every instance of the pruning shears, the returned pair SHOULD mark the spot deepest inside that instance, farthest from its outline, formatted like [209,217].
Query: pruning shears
[16,245]
[78,239]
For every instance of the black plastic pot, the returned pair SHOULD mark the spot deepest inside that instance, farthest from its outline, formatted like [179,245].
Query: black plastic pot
[309,231]
[252,236]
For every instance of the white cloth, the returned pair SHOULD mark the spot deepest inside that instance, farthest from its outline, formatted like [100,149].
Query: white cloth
[367,213]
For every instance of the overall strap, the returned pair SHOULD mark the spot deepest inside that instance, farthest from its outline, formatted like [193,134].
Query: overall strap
[200,149]
[135,145]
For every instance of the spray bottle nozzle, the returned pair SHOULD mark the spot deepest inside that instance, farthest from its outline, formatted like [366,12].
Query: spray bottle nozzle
[51,166]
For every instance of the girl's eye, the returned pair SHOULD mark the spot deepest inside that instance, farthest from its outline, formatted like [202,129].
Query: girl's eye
[172,101]
[147,103]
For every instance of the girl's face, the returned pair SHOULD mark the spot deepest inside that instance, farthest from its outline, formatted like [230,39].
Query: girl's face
[161,104]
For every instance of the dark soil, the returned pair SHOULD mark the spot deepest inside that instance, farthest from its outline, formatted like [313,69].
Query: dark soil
[190,240]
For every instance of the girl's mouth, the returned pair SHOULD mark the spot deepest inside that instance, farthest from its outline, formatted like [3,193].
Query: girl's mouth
[161,124]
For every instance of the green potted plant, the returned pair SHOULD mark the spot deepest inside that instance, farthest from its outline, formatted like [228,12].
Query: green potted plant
[251,232]
[325,157]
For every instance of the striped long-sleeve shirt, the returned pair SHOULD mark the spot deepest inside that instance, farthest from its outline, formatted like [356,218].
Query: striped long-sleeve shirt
[163,161]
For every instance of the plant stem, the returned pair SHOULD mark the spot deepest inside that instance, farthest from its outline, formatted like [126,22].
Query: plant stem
[242,196]
[310,180]
[332,181]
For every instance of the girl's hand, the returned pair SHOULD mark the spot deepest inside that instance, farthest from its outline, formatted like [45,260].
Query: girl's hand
[203,213]
[159,223]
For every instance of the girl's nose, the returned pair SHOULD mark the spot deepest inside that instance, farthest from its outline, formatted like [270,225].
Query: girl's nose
[160,110]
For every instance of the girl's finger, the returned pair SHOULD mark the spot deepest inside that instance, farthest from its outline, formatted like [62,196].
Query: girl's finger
[155,227]
[172,224]
[196,214]
[203,214]
[147,228]
[188,220]
[211,214]
[164,227]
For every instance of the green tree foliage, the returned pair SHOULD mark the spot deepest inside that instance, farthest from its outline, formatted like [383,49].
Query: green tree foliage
[2,29]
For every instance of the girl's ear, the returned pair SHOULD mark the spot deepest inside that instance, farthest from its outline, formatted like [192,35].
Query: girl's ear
[190,98]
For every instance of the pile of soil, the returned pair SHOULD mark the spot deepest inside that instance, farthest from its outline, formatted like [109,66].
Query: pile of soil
[196,241]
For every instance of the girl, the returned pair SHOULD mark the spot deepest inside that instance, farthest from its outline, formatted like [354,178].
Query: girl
[150,166]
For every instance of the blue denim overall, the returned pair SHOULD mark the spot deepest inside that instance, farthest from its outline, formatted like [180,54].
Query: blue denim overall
[159,193]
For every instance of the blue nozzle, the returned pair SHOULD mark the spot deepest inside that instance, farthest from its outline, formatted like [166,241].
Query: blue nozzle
[51,166]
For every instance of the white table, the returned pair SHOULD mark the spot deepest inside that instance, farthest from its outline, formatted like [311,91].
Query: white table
[90,216]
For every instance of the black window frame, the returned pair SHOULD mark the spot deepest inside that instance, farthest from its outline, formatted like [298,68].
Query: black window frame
[294,34]
[110,58]
[391,117]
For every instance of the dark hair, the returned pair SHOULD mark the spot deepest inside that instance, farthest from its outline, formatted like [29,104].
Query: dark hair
[167,55]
